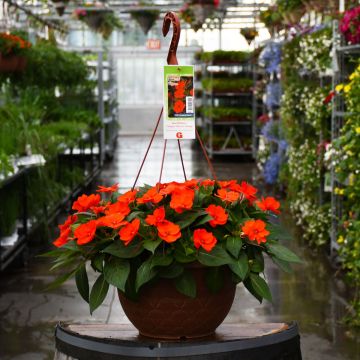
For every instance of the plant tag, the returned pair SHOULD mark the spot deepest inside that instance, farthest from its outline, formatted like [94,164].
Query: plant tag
[179,103]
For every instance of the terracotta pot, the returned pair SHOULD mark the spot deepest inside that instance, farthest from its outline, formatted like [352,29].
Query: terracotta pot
[9,63]
[164,313]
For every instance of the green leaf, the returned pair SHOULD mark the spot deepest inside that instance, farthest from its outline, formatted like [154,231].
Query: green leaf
[205,219]
[98,293]
[214,279]
[188,219]
[186,284]
[82,282]
[260,286]
[116,272]
[118,249]
[249,286]
[283,265]
[72,245]
[282,253]
[233,245]
[134,215]
[97,262]
[181,257]
[278,232]
[240,267]
[257,263]
[171,272]
[216,257]
[144,274]
[147,270]
[151,245]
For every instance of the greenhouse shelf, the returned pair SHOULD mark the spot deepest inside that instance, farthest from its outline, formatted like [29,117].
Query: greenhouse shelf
[233,137]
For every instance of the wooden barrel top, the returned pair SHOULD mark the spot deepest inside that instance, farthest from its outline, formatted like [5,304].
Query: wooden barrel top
[122,341]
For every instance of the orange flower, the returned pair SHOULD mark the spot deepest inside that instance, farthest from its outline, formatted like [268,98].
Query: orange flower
[128,197]
[191,184]
[227,184]
[204,239]
[247,190]
[84,202]
[179,106]
[169,188]
[63,238]
[207,182]
[118,208]
[98,209]
[255,230]
[85,232]
[182,199]
[269,204]
[228,196]
[218,214]
[181,84]
[168,231]
[157,217]
[151,195]
[129,231]
[110,189]
[179,93]
[68,222]
[113,221]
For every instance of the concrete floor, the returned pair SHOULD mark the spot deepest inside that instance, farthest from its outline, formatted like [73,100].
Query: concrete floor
[310,296]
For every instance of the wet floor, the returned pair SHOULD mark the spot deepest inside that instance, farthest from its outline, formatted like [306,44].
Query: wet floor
[312,295]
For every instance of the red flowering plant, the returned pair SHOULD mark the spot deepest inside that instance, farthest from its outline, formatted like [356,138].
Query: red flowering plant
[350,25]
[134,238]
[178,91]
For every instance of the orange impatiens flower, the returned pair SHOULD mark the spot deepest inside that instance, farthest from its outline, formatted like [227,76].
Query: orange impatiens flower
[168,231]
[65,231]
[113,221]
[204,239]
[118,208]
[228,196]
[128,197]
[157,217]
[85,202]
[255,230]
[98,209]
[247,190]
[129,231]
[151,195]
[227,184]
[218,214]
[84,233]
[269,204]
[207,182]
[191,184]
[182,199]
[110,189]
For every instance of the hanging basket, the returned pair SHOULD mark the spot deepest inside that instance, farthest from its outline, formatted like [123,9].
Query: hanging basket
[9,63]
[95,17]
[164,313]
[202,12]
[22,63]
[249,34]
[145,18]
[60,6]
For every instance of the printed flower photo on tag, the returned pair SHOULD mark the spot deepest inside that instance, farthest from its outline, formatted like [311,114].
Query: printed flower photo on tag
[180,96]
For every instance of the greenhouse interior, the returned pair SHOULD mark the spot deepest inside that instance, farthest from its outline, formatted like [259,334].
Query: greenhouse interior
[180,179]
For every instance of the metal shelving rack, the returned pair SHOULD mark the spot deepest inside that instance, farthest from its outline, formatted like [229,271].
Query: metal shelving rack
[234,129]
[342,53]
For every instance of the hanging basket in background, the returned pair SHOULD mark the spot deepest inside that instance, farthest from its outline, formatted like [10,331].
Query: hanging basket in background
[146,18]
[249,34]
[60,6]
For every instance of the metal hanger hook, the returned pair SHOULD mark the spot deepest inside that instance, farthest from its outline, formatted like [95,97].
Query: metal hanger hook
[172,18]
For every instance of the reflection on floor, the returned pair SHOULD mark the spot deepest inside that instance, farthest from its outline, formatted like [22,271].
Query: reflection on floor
[28,314]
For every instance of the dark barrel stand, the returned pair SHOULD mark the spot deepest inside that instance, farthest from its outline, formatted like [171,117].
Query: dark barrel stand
[270,341]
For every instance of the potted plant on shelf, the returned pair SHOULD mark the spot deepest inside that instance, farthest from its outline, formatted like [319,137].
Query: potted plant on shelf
[175,247]
[13,49]
[100,19]
[249,33]
[350,25]
[145,16]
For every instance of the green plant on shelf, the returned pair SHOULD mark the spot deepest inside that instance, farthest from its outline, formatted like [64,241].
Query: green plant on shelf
[236,85]
[226,57]
[228,113]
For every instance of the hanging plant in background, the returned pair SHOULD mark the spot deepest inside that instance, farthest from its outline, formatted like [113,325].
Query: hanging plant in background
[249,34]
[291,10]
[350,25]
[100,20]
[13,50]
[145,16]
[60,6]
[272,19]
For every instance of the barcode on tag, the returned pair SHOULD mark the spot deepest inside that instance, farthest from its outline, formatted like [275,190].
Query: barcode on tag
[189,104]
